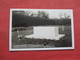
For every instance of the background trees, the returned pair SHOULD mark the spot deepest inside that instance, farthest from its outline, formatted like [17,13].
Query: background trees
[30,18]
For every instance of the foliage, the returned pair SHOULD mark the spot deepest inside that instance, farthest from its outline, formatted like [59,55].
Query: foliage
[25,21]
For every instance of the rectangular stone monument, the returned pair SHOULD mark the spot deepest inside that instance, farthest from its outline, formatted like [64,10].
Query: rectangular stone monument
[46,32]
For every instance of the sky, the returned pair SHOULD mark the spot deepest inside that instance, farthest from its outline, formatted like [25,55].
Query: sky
[53,13]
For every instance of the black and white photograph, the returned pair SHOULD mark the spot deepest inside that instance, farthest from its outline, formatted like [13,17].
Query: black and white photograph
[41,29]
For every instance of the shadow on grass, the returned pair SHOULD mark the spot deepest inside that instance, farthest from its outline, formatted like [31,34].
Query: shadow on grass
[63,42]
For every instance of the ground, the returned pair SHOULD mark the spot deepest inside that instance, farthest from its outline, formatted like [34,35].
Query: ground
[40,43]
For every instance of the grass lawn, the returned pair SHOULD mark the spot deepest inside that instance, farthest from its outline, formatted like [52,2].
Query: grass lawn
[41,43]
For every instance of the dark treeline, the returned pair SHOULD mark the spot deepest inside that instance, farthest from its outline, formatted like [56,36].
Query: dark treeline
[25,21]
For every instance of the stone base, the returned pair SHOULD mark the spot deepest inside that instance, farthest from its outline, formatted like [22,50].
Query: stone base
[43,37]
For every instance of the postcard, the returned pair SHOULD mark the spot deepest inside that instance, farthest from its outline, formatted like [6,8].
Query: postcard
[41,29]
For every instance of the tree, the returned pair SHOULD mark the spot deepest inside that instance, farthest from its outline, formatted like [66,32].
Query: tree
[18,12]
[42,14]
[66,16]
[27,13]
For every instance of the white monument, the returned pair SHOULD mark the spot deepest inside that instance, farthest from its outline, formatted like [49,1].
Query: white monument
[45,32]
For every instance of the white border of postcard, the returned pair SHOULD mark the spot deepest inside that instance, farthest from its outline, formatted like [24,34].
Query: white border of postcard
[31,49]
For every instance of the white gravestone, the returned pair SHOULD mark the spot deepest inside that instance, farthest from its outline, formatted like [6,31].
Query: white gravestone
[45,32]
